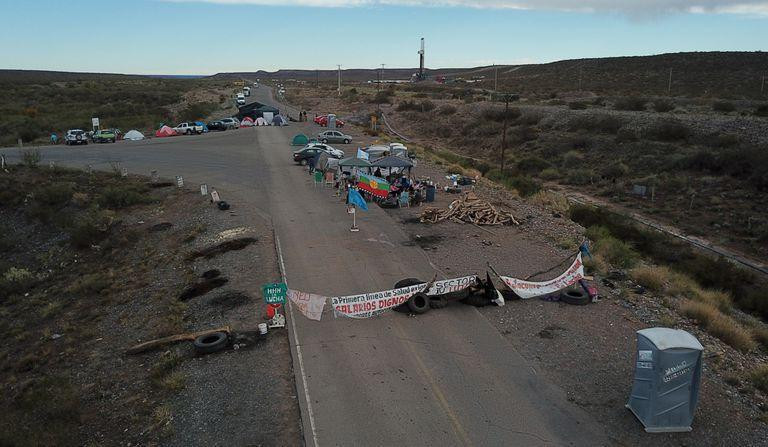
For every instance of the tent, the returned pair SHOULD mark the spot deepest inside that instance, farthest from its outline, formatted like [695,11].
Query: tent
[261,122]
[395,164]
[165,131]
[247,122]
[134,135]
[355,162]
[278,120]
[300,140]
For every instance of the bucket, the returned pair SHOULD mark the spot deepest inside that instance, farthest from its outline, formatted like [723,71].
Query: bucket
[263,328]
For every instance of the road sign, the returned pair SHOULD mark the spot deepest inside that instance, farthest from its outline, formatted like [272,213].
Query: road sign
[274,293]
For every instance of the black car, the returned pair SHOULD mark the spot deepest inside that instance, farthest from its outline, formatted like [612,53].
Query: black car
[303,156]
[217,125]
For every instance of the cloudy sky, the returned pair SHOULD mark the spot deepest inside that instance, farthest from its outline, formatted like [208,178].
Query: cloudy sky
[209,36]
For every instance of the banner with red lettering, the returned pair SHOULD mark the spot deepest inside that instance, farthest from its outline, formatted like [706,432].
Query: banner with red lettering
[367,305]
[309,304]
[530,289]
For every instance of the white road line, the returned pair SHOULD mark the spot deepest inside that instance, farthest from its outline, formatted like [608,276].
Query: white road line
[310,414]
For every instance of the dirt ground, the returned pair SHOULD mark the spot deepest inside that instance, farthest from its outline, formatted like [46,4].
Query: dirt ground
[67,379]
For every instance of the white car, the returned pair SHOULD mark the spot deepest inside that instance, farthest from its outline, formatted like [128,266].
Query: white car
[247,91]
[332,151]
[75,136]
[231,123]
[240,99]
[188,129]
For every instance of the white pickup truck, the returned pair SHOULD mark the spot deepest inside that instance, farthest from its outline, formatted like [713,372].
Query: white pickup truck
[188,128]
[240,99]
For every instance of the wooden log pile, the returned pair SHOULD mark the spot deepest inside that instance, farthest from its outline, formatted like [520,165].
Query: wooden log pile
[470,209]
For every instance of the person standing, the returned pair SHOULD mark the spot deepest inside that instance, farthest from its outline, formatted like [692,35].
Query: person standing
[54,138]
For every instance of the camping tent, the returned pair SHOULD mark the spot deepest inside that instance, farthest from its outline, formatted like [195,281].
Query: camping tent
[355,162]
[165,131]
[278,120]
[246,122]
[134,135]
[300,140]
[261,122]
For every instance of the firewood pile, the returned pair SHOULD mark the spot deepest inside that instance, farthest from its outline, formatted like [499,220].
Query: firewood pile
[470,209]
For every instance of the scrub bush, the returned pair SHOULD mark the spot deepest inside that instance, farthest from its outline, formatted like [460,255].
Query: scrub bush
[723,106]
[632,103]
[721,326]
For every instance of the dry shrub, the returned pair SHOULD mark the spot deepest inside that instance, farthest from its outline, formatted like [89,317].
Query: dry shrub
[721,326]
[652,277]
[551,200]
[682,285]
[596,264]
[759,378]
[761,335]
[717,298]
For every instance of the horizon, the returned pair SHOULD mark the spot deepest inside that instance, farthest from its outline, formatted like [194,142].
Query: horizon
[206,37]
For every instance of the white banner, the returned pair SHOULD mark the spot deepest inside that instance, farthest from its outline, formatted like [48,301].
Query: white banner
[371,304]
[452,285]
[309,304]
[529,289]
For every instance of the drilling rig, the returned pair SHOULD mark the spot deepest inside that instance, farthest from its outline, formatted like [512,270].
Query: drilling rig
[420,76]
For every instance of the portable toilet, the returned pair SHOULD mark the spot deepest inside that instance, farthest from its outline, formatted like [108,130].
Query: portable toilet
[667,377]
[331,121]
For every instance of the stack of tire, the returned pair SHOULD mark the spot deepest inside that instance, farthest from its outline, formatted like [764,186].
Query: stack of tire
[420,302]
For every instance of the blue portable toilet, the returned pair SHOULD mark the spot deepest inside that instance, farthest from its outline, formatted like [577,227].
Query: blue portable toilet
[667,379]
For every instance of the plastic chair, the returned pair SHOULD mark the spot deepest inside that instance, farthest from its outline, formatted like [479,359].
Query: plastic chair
[405,199]
[329,179]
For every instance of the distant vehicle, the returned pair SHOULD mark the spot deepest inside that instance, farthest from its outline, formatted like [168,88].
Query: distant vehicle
[334,136]
[104,136]
[247,91]
[255,85]
[231,123]
[240,99]
[189,128]
[331,151]
[303,155]
[375,152]
[75,136]
[323,121]
[217,125]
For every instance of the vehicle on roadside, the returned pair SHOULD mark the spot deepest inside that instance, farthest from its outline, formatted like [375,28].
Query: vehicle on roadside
[104,136]
[304,155]
[334,136]
[330,150]
[240,99]
[247,91]
[189,128]
[231,123]
[75,136]
[322,120]
[217,125]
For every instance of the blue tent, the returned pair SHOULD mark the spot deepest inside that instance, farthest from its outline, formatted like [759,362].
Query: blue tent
[200,123]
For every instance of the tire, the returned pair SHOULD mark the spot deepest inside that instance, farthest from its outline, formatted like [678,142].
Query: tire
[346,141]
[188,132]
[438,302]
[419,303]
[575,296]
[477,300]
[324,141]
[303,162]
[206,344]
[112,141]
[405,283]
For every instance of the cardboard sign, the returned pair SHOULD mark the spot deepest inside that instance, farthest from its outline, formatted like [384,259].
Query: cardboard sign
[309,304]
[203,189]
[179,181]
[215,196]
[530,289]
[274,293]
[371,304]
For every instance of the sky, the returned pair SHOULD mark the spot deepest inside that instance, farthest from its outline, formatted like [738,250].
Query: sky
[204,37]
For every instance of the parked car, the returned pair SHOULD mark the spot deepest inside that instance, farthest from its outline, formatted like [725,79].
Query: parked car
[104,136]
[330,150]
[217,125]
[75,136]
[231,123]
[189,128]
[323,121]
[247,91]
[334,136]
[240,99]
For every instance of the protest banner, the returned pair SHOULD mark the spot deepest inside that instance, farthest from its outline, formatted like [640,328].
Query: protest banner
[529,289]
[367,305]
[309,304]
[452,285]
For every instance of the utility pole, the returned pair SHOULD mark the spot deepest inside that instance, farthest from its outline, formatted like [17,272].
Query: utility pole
[669,85]
[762,86]
[495,78]
[381,76]
[504,132]
[317,78]
[580,73]
[339,87]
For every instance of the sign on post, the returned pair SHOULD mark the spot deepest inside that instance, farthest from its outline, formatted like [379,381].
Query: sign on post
[274,293]
[95,123]
[179,181]
[204,189]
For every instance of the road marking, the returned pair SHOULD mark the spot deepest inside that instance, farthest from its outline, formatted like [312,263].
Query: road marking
[299,356]
[457,427]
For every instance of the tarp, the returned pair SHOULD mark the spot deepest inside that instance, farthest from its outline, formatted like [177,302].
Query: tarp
[300,140]
[392,162]
[355,162]
[529,289]
[134,135]
[246,122]
[322,161]
[165,131]
[200,123]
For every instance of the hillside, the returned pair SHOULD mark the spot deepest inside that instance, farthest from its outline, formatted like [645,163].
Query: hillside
[733,75]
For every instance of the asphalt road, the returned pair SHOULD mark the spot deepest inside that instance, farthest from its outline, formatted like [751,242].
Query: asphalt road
[444,378]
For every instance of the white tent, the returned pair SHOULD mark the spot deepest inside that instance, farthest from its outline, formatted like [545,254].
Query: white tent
[268,117]
[134,135]
[260,121]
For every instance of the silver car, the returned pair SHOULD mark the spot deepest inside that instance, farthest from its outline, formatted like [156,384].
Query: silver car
[231,123]
[334,136]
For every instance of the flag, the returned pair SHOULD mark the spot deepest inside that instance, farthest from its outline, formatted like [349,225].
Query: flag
[362,154]
[374,185]
[356,199]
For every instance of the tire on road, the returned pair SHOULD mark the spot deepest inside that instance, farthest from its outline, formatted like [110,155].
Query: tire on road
[477,300]
[303,162]
[438,302]
[405,283]
[324,141]
[346,141]
[418,303]
[207,344]
[575,295]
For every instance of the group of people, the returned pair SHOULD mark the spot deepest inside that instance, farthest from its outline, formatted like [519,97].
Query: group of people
[302,115]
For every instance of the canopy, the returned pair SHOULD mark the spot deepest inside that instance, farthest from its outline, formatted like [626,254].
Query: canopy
[391,161]
[165,131]
[355,162]
[300,140]
[246,122]
[134,135]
